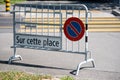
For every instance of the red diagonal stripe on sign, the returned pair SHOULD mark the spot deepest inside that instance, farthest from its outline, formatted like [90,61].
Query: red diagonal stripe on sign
[74,29]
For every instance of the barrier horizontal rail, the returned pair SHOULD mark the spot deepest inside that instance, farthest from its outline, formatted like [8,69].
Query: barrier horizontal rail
[63,19]
[90,23]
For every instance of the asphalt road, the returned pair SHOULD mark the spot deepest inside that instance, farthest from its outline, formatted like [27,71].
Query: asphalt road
[6,24]
[104,47]
[6,21]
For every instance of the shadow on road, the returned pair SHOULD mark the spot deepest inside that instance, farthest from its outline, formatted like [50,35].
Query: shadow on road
[32,65]
[73,72]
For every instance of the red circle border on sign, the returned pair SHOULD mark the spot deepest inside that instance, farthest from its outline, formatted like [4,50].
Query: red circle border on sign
[67,22]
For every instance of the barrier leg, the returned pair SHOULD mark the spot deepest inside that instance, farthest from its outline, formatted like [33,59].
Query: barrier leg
[86,61]
[14,57]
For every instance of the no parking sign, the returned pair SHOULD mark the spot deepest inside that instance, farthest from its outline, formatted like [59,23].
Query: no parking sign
[74,29]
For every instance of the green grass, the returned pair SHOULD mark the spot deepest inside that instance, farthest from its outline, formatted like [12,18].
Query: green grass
[67,78]
[15,75]
[2,2]
[16,1]
[12,1]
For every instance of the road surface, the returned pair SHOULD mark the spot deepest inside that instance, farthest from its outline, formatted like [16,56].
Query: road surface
[104,47]
[6,21]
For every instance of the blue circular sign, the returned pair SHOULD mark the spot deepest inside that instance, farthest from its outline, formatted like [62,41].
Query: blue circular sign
[74,29]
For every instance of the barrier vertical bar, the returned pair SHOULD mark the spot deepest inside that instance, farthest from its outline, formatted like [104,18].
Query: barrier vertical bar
[42,18]
[86,34]
[66,38]
[72,16]
[79,41]
[47,31]
[54,18]
[36,19]
[30,18]
[86,44]
[25,17]
[14,31]
[19,15]
[61,27]
[14,44]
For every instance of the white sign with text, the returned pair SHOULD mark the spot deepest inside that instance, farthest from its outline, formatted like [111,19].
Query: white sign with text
[51,42]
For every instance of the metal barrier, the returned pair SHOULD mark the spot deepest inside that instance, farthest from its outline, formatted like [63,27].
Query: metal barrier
[41,27]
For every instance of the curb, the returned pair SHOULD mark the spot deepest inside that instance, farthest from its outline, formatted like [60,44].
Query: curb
[5,14]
